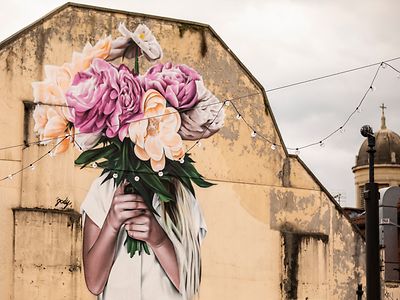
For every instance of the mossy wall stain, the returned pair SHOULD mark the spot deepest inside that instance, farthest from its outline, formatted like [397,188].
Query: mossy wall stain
[292,248]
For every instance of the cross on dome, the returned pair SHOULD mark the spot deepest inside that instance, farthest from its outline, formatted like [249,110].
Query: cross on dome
[383,119]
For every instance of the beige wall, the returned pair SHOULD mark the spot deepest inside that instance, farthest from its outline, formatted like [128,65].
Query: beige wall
[270,224]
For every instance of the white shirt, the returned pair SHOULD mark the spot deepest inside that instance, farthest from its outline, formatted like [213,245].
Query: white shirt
[140,277]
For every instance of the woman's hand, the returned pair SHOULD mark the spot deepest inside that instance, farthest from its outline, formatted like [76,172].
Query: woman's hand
[124,207]
[144,226]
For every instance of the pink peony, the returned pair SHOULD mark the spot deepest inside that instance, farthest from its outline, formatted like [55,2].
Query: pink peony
[178,84]
[105,98]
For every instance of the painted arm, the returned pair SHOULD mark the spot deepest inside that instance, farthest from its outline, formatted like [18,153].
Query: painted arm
[99,244]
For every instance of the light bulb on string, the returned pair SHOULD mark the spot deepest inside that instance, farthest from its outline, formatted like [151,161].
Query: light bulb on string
[198,144]
[115,176]
[137,178]
[297,152]
[32,167]
[94,165]
[160,174]
[253,134]
[227,103]
[383,65]
[273,146]
[238,117]
[342,129]
[372,88]
[321,144]
[182,160]
[52,154]
[10,176]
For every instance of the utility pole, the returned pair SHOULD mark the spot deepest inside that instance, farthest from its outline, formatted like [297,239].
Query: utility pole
[371,197]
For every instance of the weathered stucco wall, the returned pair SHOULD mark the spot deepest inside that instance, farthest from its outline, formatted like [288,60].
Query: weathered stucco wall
[270,224]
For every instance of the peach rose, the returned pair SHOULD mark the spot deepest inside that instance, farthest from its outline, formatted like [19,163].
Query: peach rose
[52,90]
[100,50]
[51,124]
[156,135]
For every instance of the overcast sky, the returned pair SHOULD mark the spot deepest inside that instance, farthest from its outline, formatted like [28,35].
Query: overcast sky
[282,42]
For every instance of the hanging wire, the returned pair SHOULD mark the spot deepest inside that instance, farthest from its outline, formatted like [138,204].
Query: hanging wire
[225,103]
[393,68]
[332,75]
[34,162]
[146,118]
[370,88]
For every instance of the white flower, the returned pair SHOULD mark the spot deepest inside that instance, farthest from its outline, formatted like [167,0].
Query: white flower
[87,141]
[142,37]
[205,119]
[119,48]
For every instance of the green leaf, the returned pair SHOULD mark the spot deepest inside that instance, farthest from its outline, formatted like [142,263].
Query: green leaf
[134,247]
[92,155]
[140,247]
[153,181]
[191,171]
[164,198]
[137,60]
[177,171]
[147,194]
[146,248]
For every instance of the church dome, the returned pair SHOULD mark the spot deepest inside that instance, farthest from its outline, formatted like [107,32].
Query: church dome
[387,147]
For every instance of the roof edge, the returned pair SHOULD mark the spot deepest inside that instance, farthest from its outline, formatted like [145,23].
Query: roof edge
[20,32]
[322,187]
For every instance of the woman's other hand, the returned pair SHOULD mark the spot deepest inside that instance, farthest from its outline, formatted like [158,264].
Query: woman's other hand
[144,226]
[124,207]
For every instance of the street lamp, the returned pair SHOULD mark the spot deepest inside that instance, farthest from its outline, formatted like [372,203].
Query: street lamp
[371,197]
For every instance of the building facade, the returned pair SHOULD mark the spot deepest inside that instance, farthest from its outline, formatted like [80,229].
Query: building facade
[274,232]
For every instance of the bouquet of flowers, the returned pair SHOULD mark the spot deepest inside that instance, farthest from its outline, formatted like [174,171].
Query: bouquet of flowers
[130,124]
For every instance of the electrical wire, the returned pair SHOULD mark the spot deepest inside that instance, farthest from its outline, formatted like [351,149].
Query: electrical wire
[331,75]
[227,101]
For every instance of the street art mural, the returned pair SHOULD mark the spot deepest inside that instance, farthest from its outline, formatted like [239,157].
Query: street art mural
[143,226]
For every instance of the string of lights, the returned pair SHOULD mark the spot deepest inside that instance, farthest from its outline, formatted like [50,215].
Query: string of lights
[381,64]
[44,141]
[32,165]
[341,127]
[332,75]
[51,153]
[239,116]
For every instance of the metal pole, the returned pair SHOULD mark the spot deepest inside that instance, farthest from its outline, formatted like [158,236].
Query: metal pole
[371,197]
